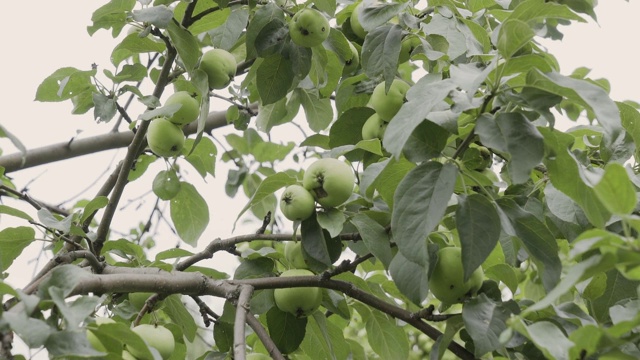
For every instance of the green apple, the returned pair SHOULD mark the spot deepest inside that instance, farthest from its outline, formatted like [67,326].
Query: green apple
[189,108]
[309,28]
[220,67]
[354,19]
[93,339]
[447,278]
[374,128]
[166,185]
[351,65]
[165,138]
[388,104]
[127,355]
[293,254]
[257,356]
[138,299]
[156,336]
[408,44]
[299,301]
[297,203]
[330,181]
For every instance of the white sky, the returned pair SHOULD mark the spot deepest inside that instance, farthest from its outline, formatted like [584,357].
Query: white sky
[40,37]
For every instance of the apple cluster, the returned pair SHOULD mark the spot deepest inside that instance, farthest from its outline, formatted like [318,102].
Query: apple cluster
[329,182]
[386,104]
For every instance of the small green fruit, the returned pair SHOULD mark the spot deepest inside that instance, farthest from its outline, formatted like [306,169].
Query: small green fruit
[93,339]
[165,138]
[293,254]
[188,111]
[354,19]
[374,128]
[299,301]
[166,185]
[297,203]
[408,44]
[138,299]
[330,181]
[158,337]
[388,104]
[309,28]
[447,278]
[220,67]
[351,65]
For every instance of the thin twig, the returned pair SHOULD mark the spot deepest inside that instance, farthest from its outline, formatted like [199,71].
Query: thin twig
[263,335]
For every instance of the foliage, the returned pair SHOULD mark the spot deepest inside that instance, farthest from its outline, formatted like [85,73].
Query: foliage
[553,220]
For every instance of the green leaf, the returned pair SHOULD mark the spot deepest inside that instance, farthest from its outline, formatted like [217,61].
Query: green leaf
[514,134]
[342,130]
[74,312]
[229,31]
[388,179]
[64,84]
[549,339]
[286,330]
[585,93]
[159,15]
[12,242]
[4,209]
[618,288]
[331,220]
[423,98]
[537,238]
[479,228]
[64,277]
[34,332]
[319,112]
[215,22]
[484,320]
[278,113]
[133,45]
[274,78]
[186,45]
[92,206]
[266,152]
[566,175]
[420,202]
[534,11]
[380,52]
[70,343]
[410,278]
[112,15]
[189,213]
[513,35]
[386,338]
[615,190]
[375,237]
[262,17]
[179,315]
[267,187]
[314,242]
[203,157]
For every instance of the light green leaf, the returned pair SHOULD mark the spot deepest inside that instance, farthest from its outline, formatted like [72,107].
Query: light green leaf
[387,339]
[4,209]
[186,45]
[513,35]
[380,52]
[190,213]
[94,205]
[64,84]
[267,187]
[203,157]
[319,112]
[12,242]
[227,34]
[615,190]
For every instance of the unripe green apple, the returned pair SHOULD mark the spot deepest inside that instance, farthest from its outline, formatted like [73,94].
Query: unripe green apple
[220,67]
[374,128]
[166,185]
[293,254]
[158,337]
[447,278]
[351,65]
[165,138]
[354,19]
[296,203]
[188,111]
[330,181]
[309,28]
[138,299]
[299,301]
[93,339]
[408,44]
[388,104]
[257,356]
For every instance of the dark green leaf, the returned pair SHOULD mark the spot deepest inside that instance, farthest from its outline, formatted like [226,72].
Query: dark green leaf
[420,202]
[410,278]
[318,111]
[274,78]
[479,228]
[190,213]
[375,238]
[262,17]
[617,288]
[286,330]
[133,45]
[227,34]
[179,315]
[380,52]
[484,320]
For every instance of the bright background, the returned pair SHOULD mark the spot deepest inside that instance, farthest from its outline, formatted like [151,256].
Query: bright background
[38,38]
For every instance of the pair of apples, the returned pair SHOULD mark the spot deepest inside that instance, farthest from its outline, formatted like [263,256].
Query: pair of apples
[156,336]
[299,301]
[327,181]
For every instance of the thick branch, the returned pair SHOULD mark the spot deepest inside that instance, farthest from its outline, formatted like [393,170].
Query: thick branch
[67,150]
[242,308]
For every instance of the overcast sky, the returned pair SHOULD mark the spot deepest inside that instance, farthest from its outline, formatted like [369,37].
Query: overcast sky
[40,37]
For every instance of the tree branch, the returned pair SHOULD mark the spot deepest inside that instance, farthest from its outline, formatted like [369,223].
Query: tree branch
[262,334]
[242,308]
[109,141]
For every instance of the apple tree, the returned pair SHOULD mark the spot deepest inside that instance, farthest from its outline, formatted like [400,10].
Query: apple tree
[425,204]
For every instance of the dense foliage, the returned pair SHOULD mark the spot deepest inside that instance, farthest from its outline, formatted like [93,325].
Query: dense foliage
[445,112]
